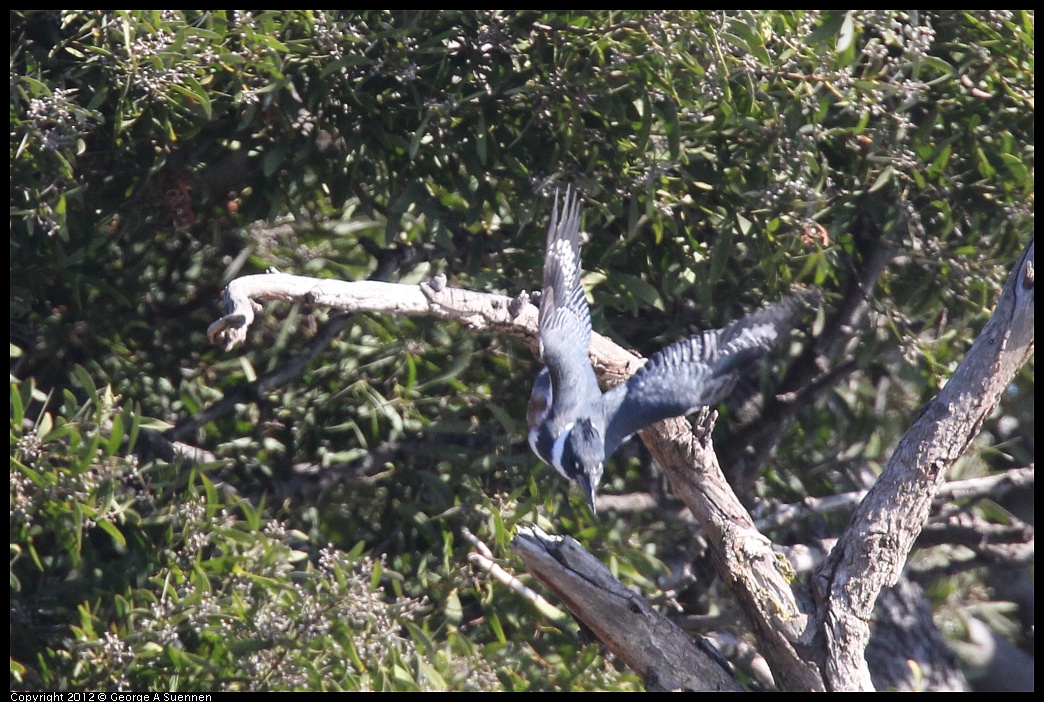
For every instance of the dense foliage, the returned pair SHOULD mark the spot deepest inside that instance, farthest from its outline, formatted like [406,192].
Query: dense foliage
[323,541]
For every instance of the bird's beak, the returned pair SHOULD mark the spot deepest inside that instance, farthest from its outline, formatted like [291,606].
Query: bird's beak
[589,490]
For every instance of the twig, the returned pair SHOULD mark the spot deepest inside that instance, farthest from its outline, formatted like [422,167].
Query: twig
[482,558]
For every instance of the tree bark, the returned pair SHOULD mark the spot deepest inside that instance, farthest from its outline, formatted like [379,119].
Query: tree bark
[872,551]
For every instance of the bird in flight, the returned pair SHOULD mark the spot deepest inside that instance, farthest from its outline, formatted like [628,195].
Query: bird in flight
[573,425]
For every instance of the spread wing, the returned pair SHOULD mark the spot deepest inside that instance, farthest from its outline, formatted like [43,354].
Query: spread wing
[565,319]
[698,371]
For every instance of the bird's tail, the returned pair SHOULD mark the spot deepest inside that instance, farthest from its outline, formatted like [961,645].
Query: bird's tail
[771,324]
[754,336]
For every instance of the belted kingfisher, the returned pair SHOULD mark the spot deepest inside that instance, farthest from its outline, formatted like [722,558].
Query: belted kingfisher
[573,425]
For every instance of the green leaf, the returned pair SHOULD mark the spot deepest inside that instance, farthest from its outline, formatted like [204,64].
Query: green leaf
[1017,167]
[418,135]
[433,677]
[84,379]
[112,447]
[943,67]
[155,424]
[497,628]
[43,427]
[17,410]
[645,111]
[134,421]
[110,529]
[846,34]
[452,608]
[200,94]
[669,110]
[343,63]
[721,254]
[274,159]
[830,27]
[882,179]
[60,432]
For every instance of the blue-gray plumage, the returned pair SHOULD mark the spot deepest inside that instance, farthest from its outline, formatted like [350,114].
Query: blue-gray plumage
[565,336]
[573,425]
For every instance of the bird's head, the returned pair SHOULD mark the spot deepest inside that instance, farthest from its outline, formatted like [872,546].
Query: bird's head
[583,457]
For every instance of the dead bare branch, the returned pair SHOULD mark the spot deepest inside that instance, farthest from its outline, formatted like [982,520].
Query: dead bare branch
[871,553]
[664,655]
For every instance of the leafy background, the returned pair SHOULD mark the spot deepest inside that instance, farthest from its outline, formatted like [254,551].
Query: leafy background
[323,539]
